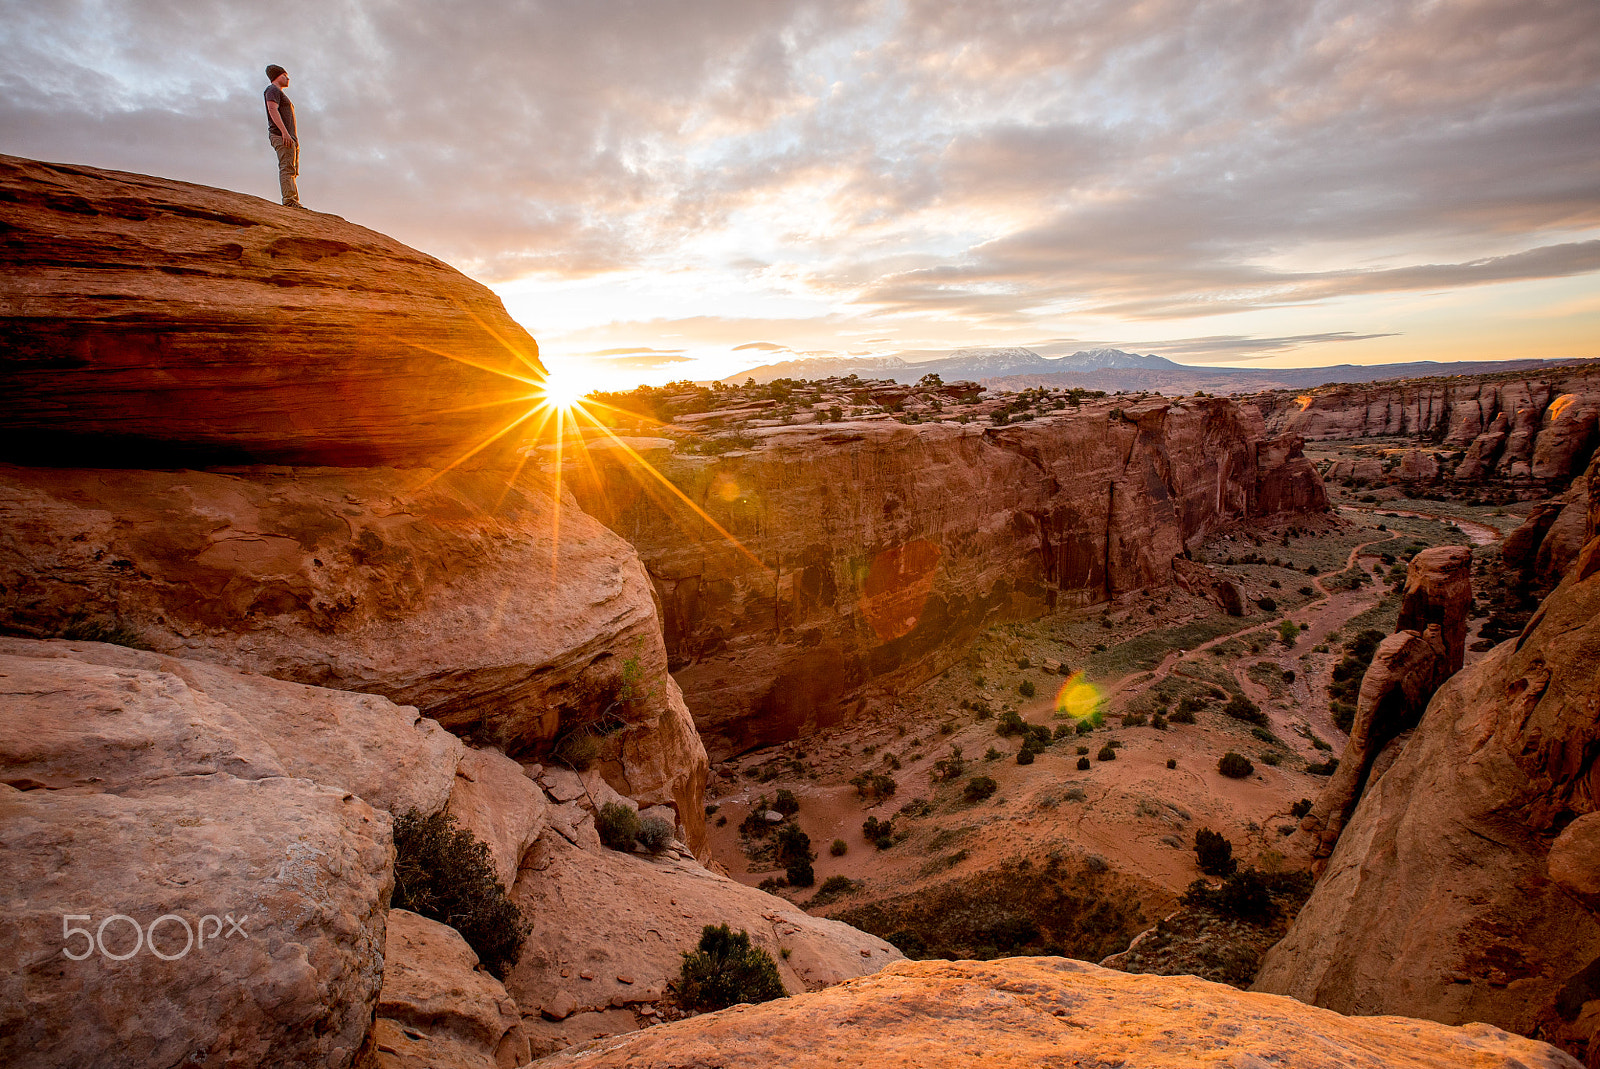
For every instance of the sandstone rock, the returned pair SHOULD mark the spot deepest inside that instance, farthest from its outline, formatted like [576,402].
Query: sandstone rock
[1418,467]
[1520,548]
[1574,861]
[1564,540]
[617,915]
[145,321]
[1051,1012]
[107,717]
[563,784]
[446,592]
[305,870]
[437,1009]
[1439,591]
[1406,669]
[1436,901]
[500,806]
[871,553]
[1567,435]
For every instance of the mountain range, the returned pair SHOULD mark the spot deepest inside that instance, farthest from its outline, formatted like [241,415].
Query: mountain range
[1015,368]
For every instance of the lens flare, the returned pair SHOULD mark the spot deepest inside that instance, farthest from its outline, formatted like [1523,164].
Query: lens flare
[1077,698]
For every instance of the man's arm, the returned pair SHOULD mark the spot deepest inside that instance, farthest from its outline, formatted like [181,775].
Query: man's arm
[277,120]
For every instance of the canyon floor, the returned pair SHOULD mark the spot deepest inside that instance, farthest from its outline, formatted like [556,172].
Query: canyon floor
[1070,860]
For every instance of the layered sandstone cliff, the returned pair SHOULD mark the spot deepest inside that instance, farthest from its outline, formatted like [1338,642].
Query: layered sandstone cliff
[1507,426]
[1443,898]
[147,321]
[869,553]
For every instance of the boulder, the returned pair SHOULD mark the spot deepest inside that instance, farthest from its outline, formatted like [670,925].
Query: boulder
[90,714]
[1520,548]
[1438,900]
[610,930]
[500,806]
[148,323]
[1439,591]
[261,911]
[496,609]
[1574,861]
[1026,1012]
[1567,436]
[437,1009]
[1417,467]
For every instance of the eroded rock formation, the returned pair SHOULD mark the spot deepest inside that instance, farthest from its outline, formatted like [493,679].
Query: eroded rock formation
[447,592]
[147,322]
[870,553]
[1030,1012]
[1438,900]
[1510,425]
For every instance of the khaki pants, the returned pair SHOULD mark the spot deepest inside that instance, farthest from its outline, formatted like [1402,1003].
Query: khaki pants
[288,168]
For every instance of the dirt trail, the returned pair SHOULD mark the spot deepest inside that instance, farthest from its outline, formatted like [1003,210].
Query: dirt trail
[1480,534]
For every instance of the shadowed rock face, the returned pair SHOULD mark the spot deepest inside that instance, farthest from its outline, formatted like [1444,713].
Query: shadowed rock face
[1442,898]
[1509,426]
[873,552]
[147,322]
[1028,1012]
[440,595]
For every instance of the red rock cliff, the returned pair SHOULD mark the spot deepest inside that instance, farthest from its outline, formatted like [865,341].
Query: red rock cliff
[873,551]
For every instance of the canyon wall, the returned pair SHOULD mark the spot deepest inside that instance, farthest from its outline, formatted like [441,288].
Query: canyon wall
[1509,426]
[831,558]
[1443,898]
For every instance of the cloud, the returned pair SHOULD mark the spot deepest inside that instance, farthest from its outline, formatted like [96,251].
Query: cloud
[765,345]
[1014,168]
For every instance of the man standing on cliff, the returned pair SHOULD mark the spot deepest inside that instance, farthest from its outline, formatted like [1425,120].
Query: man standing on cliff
[281,134]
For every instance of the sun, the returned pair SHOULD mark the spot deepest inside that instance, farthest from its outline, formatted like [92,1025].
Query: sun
[561,389]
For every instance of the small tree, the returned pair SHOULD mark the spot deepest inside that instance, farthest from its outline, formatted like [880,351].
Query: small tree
[1214,853]
[979,788]
[1235,766]
[726,970]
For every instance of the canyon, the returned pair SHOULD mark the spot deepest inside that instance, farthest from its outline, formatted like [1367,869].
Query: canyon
[268,597]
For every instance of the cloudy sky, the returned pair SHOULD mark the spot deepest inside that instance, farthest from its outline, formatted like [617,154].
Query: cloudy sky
[682,188]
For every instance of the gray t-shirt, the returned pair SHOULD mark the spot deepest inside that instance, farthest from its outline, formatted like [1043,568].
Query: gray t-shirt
[277,96]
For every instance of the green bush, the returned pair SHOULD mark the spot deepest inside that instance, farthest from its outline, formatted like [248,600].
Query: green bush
[873,829]
[1026,688]
[726,970]
[786,803]
[618,825]
[873,786]
[1235,766]
[1301,808]
[444,873]
[1025,755]
[1107,753]
[979,788]
[1084,727]
[1083,764]
[839,848]
[1241,708]
[1158,722]
[1214,853]
[800,873]
[655,834]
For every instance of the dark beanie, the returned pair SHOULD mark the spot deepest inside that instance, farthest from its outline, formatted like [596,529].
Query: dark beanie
[273,70]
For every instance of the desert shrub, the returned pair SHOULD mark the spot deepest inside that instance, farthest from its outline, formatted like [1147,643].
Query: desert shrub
[792,844]
[1244,896]
[800,873]
[726,970]
[1241,708]
[1301,808]
[1084,727]
[873,829]
[1267,604]
[1083,764]
[1026,688]
[980,787]
[444,873]
[992,754]
[1133,720]
[1272,757]
[786,803]
[1107,752]
[1183,716]
[1011,723]
[1025,755]
[1235,766]
[1214,853]
[113,632]
[618,825]
[873,786]
[1266,736]
[1326,768]
[577,750]
[1307,592]
[655,834]
[1288,675]
[837,885]
[1172,762]
[1158,722]
[1082,750]
[948,768]
[1063,731]
[839,848]
[1192,703]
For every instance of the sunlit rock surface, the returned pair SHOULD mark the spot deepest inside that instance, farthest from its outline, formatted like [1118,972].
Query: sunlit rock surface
[1025,1012]
[148,322]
